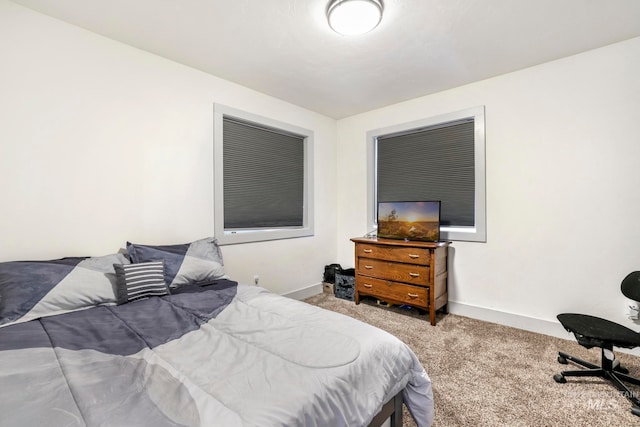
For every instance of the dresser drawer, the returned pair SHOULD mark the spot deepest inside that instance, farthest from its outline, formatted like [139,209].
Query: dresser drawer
[419,256]
[392,291]
[408,273]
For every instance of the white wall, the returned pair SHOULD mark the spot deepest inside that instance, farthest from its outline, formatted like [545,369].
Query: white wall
[101,143]
[563,188]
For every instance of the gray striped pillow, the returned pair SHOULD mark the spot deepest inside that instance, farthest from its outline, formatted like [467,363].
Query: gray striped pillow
[137,281]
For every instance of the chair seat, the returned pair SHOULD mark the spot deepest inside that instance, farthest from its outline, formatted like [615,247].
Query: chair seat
[591,331]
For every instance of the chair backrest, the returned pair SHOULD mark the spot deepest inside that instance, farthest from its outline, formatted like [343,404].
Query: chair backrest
[631,286]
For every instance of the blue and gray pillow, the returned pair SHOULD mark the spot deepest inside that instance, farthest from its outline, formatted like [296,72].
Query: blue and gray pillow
[33,289]
[198,262]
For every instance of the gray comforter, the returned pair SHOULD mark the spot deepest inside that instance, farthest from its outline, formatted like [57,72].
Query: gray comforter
[221,355]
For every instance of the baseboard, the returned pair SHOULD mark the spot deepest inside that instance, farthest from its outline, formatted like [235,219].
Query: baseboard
[519,321]
[303,293]
[514,320]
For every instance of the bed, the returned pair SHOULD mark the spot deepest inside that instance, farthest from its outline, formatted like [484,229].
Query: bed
[83,343]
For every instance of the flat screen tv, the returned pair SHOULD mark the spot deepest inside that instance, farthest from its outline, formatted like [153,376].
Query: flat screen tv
[409,220]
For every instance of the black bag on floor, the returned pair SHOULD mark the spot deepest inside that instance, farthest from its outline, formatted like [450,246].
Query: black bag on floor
[330,273]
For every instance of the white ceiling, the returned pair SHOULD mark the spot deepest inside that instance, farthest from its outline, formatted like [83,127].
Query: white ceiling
[285,48]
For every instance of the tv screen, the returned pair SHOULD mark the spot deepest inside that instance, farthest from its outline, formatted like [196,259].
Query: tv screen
[409,220]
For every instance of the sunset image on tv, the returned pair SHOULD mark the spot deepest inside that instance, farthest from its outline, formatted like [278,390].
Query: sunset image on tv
[409,220]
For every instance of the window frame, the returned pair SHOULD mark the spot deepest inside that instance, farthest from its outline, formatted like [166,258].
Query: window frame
[475,233]
[249,235]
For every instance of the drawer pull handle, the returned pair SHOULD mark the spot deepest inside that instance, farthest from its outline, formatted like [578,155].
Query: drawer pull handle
[414,256]
[414,274]
[366,285]
[368,267]
[412,295]
[367,251]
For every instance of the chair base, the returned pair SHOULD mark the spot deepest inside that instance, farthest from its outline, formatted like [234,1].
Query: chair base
[610,371]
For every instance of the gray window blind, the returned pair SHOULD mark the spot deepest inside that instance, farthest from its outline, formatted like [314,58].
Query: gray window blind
[436,163]
[263,176]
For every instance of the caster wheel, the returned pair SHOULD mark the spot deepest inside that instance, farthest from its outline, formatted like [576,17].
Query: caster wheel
[562,360]
[621,369]
[559,378]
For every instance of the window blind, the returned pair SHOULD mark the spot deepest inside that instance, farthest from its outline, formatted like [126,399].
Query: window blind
[435,163]
[263,172]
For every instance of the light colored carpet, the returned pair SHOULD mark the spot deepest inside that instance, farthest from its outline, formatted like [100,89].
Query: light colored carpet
[485,374]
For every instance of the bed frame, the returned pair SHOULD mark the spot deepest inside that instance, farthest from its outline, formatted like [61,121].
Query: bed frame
[391,410]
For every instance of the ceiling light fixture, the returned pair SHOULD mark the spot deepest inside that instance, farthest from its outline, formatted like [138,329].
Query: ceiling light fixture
[350,17]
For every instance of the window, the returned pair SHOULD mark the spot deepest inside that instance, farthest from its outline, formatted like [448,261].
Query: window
[263,173]
[440,158]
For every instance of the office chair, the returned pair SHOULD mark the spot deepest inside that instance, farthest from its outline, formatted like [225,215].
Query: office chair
[593,331]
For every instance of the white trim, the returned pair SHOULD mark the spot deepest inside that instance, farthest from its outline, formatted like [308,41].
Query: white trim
[226,237]
[518,321]
[304,293]
[514,320]
[531,324]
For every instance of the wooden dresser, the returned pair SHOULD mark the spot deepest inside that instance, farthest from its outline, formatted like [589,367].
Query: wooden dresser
[403,272]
